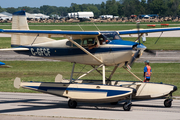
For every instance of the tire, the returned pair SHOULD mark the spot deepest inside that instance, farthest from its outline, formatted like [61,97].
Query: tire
[127,106]
[72,103]
[168,103]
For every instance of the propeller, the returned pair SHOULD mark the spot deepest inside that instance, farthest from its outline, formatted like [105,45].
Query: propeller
[150,51]
[136,55]
[139,47]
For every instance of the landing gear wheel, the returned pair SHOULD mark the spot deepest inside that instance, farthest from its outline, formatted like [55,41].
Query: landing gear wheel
[127,106]
[168,102]
[72,103]
[114,103]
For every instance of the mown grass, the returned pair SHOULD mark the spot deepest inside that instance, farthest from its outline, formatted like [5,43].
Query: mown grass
[167,22]
[5,42]
[46,71]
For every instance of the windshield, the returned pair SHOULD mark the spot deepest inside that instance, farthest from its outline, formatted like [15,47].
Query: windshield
[112,36]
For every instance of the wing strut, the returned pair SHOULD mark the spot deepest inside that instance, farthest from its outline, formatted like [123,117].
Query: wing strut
[83,49]
[158,38]
[34,39]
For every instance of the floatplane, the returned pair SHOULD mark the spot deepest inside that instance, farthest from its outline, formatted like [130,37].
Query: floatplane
[96,48]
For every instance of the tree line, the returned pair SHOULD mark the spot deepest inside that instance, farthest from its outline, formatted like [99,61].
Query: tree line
[121,8]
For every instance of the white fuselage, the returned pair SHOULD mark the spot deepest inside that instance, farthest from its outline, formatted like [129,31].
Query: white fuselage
[64,50]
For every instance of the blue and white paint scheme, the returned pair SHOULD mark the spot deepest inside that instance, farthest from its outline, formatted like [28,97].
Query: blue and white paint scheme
[80,92]
[95,48]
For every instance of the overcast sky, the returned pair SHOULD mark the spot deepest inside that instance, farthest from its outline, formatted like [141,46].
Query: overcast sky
[38,3]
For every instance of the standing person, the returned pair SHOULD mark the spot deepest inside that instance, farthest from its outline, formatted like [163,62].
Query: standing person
[147,71]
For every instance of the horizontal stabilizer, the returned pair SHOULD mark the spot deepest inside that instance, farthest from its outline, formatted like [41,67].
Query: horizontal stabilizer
[59,78]
[17,82]
[14,49]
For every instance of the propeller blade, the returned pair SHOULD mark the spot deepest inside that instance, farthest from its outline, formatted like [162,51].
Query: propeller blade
[150,51]
[138,22]
[136,55]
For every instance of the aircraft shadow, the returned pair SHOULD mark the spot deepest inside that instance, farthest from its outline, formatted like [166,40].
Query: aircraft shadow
[39,104]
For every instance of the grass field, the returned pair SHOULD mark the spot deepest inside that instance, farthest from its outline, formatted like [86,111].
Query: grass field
[87,23]
[46,71]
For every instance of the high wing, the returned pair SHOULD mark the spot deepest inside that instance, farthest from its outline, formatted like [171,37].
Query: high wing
[124,32]
[55,33]
[52,33]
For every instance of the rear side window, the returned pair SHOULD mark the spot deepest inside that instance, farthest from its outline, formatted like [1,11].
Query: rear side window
[77,41]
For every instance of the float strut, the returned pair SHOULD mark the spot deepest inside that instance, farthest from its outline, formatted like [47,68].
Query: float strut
[104,77]
[72,72]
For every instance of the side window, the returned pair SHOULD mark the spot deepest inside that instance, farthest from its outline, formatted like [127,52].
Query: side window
[77,41]
[85,42]
[89,42]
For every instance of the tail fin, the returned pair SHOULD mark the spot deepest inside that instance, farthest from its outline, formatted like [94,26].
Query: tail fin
[19,22]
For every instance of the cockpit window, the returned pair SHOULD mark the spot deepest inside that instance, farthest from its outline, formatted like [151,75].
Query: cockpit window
[112,36]
[88,41]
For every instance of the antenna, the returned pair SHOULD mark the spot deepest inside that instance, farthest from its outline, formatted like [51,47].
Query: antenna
[96,27]
[80,27]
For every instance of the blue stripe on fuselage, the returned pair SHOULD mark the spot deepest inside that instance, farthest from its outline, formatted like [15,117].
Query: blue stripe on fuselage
[70,51]
[109,92]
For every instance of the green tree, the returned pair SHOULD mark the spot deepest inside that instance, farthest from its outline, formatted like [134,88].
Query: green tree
[111,7]
[158,7]
[95,10]
[128,7]
[11,9]
[2,9]
[173,7]
[120,9]
[103,8]
[143,7]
